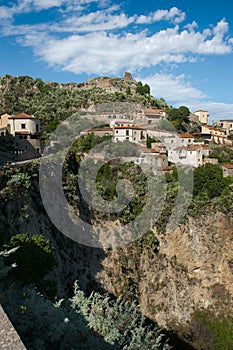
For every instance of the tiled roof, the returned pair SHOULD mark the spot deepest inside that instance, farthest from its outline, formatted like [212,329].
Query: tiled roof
[180,148]
[167,168]
[228,166]
[153,111]
[190,148]
[22,116]
[185,136]
[212,128]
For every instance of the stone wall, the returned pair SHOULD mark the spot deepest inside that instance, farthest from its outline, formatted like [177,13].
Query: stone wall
[9,338]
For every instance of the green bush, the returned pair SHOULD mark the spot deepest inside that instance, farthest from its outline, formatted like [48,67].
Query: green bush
[209,178]
[34,258]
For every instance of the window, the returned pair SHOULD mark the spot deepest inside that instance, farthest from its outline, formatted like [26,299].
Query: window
[127,138]
[116,131]
[127,132]
[23,126]
[37,128]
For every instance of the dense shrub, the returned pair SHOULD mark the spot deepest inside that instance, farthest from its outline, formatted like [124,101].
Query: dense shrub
[34,258]
[209,179]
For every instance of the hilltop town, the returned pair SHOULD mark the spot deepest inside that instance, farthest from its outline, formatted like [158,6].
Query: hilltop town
[152,129]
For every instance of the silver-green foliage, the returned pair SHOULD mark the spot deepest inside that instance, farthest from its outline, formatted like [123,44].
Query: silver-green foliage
[79,323]
[118,322]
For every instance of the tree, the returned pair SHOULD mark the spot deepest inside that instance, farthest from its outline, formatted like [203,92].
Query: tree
[142,89]
[179,117]
[139,88]
[146,89]
[209,179]
[128,91]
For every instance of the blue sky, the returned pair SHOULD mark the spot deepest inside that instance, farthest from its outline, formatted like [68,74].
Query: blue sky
[182,48]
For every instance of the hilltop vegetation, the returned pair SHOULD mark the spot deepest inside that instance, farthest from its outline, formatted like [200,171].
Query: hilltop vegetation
[51,102]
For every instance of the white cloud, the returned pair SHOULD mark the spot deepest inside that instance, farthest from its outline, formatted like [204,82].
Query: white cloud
[94,21]
[191,26]
[27,6]
[174,15]
[174,89]
[102,52]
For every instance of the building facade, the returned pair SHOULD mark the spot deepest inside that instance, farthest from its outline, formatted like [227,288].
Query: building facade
[203,116]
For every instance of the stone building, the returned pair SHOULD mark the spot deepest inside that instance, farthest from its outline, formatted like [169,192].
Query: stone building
[226,125]
[227,170]
[203,116]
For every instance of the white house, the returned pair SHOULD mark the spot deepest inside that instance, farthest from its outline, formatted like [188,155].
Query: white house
[129,133]
[23,124]
[26,132]
[192,155]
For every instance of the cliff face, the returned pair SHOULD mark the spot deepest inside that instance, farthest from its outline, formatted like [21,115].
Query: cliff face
[191,271]
[190,268]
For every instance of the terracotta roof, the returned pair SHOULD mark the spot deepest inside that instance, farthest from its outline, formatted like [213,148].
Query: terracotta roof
[228,166]
[180,148]
[148,150]
[189,148]
[151,110]
[193,148]
[167,168]
[185,136]
[22,116]
[212,128]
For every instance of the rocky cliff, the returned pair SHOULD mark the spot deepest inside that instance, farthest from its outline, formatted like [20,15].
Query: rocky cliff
[185,271]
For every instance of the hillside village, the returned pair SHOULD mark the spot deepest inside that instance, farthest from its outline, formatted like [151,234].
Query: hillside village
[165,147]
[194,263]
[128,113]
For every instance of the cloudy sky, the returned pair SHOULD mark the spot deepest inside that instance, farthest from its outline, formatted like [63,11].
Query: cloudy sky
[182,48]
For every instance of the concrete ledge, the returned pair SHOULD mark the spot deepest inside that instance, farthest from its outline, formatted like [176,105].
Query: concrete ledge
[9,339]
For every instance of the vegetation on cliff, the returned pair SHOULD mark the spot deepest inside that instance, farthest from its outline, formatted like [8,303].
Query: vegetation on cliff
[52,102]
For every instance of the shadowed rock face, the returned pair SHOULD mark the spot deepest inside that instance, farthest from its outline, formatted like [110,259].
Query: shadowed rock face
[191,270]
[9,339]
